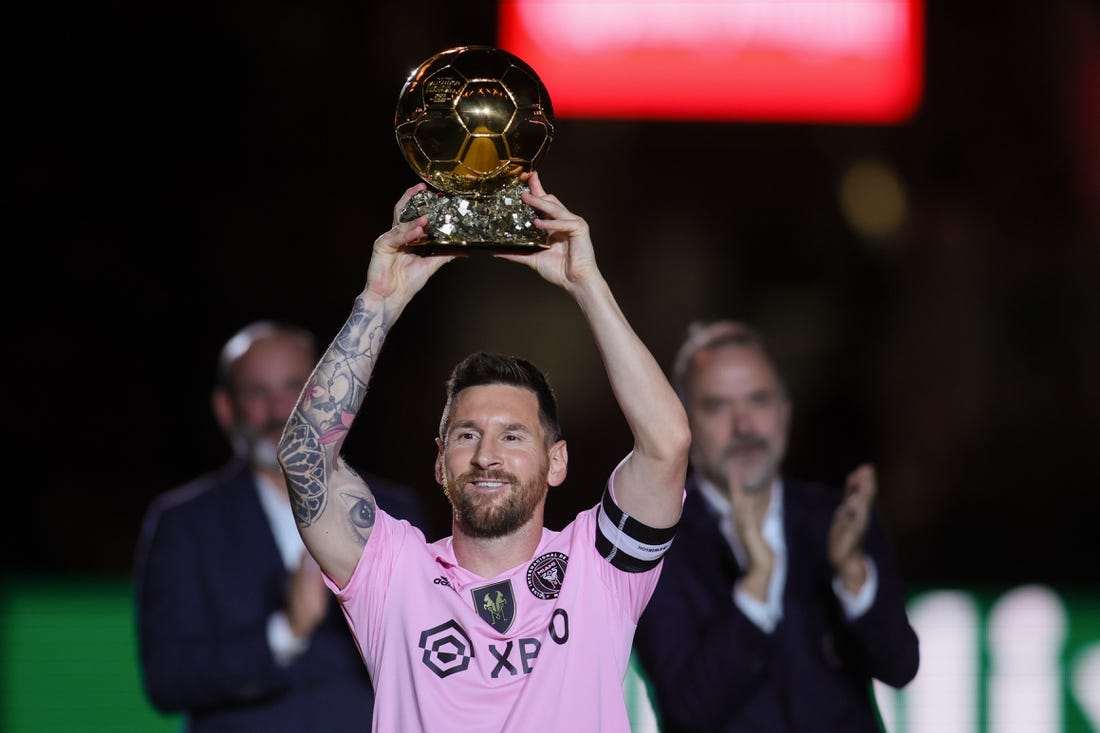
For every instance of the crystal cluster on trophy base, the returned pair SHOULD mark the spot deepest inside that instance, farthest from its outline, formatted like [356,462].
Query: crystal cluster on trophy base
[497,220]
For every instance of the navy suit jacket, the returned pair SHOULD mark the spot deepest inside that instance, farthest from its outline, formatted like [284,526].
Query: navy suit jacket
[712,669]
[208,574]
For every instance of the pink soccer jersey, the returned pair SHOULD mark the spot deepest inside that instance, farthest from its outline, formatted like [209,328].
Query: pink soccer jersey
[541,647]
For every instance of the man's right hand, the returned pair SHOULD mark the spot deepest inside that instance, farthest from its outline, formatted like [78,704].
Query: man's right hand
[749,509]
[394,269]
[307,598]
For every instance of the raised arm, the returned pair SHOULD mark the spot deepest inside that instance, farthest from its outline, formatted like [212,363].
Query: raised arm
[649,485]
[333,506]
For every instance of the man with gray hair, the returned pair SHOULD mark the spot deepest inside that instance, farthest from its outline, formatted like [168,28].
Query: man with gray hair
[237,630]
[781,599]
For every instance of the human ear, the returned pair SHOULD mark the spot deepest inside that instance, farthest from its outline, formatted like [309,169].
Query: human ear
[559,463]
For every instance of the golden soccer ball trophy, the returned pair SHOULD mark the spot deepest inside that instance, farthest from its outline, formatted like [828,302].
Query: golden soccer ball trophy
[471,121]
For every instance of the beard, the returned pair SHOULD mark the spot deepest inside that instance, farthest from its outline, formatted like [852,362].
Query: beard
[258,447]
[753,457]
[488,516]
[265,455]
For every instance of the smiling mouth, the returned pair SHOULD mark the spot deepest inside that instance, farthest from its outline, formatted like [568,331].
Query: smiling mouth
[488,485]
[487,481]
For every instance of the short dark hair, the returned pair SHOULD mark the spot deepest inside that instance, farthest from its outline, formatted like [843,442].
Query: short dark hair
[482,367]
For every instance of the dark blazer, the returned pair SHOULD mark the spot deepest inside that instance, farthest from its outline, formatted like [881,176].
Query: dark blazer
[208,574]
[711,669]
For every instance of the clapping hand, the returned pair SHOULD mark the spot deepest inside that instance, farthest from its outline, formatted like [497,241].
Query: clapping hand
[749,509]
[849,527]
[307,598]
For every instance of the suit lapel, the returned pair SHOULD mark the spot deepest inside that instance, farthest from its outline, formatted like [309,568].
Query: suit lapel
[252,537]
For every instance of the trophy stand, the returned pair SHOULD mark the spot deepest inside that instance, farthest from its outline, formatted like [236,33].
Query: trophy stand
[498,221]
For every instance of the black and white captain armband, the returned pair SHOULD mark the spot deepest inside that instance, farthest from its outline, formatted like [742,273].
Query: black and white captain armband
[625,542]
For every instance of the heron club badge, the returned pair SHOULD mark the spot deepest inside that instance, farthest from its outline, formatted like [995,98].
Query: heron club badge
[546,574]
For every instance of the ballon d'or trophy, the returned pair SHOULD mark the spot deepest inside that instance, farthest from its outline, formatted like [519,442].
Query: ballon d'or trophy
[472,121]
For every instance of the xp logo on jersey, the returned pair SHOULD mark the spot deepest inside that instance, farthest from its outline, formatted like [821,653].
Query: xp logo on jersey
[546,573]
[496,604]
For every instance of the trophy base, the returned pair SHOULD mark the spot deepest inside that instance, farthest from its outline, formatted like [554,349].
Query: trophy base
[498,222]
[427,249]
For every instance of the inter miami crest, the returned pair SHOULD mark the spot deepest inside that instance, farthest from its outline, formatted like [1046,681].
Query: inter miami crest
[545,575]
[496,604]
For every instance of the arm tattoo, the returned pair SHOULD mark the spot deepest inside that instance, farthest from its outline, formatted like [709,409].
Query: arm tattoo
[326,409]
[361,514]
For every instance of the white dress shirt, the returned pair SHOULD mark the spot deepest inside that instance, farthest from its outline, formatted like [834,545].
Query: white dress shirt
[767,614]
[284,645]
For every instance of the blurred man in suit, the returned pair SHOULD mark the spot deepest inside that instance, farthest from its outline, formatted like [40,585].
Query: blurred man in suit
[237,630]
[780,599]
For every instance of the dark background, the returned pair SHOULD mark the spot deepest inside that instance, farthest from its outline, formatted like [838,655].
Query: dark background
[183,168]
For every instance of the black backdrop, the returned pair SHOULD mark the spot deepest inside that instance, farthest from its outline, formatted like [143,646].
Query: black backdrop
[183,168]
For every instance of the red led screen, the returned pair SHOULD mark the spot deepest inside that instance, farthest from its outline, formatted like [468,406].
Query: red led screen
[859,61]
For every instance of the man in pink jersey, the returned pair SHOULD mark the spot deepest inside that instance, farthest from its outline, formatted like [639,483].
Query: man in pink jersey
[505,625]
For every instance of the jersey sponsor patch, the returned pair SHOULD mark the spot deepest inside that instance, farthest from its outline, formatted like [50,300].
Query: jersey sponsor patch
[545,575]
[447,649]
[496,604]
